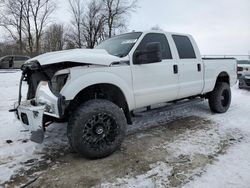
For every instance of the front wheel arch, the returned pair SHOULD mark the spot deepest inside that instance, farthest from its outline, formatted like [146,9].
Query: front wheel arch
[87,139]
[105,91]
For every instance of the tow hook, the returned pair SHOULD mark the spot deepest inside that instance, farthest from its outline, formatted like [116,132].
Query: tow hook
[13,110]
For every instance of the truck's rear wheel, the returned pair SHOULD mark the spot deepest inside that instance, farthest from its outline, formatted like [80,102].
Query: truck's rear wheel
[220,98]
[97,128]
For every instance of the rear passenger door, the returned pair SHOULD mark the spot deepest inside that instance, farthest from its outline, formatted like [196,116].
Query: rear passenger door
[154,82]
[190,67]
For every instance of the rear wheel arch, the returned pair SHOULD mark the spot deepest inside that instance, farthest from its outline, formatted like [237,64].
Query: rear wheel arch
[223,77]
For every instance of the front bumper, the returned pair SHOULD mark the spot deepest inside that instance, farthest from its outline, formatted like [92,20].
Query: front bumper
[31,118]
[244,82]
[31,113]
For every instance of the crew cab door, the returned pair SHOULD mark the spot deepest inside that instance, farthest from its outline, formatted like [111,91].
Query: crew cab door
[190,67]
[154,82]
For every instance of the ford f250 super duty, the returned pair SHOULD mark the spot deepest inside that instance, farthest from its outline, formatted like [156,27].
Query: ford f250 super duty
[96,90]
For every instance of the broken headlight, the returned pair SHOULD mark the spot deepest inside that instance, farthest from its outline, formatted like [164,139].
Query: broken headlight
[58,81]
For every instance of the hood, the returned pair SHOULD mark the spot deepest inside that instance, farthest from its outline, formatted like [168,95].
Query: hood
[85,56]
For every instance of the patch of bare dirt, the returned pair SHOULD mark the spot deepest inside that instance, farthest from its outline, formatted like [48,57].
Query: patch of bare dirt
[138,152]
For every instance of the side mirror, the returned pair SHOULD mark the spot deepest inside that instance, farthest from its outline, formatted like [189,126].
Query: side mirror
[152,54]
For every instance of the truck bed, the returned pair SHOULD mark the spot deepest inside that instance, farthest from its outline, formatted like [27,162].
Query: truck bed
[214,66]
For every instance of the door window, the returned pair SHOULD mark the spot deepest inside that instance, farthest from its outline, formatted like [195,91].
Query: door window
[156,37]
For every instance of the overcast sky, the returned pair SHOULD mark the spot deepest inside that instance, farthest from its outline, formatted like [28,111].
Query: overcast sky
[219,26]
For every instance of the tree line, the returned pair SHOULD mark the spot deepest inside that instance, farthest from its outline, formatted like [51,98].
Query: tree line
[30,29]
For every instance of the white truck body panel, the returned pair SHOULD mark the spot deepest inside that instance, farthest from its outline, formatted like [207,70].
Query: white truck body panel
[213,67]
[145,69]
[141,84]
[191,80]
[144,84]
[152,83]
[82,77]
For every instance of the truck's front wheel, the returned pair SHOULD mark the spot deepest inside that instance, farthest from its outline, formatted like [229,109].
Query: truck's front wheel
[97,128]
[220,98]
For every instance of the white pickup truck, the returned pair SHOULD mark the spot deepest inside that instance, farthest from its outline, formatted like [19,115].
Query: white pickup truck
[244,74]
[96,90]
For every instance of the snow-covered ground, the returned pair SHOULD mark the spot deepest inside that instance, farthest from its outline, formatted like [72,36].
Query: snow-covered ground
[233,168]
[230,169]
[16,151]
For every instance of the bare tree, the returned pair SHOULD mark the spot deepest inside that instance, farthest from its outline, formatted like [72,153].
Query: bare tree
[98,20]
[36,14]
[93,23]
[25,21]
[116,12]
[69,44]
[54,38]
[11,19]
[8,48]
[28,27]
[40,11]
[77,12]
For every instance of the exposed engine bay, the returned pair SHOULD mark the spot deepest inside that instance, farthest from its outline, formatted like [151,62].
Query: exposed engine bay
[34,73]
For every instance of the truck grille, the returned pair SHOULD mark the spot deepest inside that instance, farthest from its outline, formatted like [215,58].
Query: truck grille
[247,81]
[239,68]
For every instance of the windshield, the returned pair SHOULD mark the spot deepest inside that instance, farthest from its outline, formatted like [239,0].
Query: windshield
[120,45]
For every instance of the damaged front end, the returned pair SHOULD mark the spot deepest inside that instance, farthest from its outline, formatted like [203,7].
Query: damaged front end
[44,104]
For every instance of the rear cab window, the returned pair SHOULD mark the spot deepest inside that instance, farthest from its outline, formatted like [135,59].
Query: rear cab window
[184,47]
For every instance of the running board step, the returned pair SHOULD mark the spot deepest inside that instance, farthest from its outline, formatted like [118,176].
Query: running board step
[169,106]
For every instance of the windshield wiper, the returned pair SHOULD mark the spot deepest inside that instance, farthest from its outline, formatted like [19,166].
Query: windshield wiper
[119,55]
